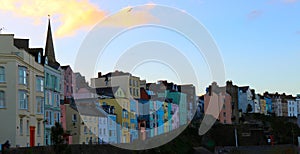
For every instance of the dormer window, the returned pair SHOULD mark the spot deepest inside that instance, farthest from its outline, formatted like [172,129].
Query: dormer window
[39,58]
[46,60]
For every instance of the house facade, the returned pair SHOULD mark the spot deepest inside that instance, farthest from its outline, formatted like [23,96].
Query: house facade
[293,108]
[52,72]
[21,92]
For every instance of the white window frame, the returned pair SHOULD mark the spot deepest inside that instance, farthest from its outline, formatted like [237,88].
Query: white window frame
[38,125]
[39,84]
[22,75]
[23,100]
[21,127]
[39,105]
[2,74]
[2,99]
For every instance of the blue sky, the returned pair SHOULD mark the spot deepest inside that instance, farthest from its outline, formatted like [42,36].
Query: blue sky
[258,40]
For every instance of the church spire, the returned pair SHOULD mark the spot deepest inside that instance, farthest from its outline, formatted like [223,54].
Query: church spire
[49,48]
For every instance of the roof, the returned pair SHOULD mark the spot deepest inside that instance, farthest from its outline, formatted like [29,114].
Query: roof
[244,89]
[65,67]
[89,109]
[49,49]
[107,91]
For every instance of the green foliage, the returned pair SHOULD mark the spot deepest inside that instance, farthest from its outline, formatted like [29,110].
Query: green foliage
[249,108]
[57,133]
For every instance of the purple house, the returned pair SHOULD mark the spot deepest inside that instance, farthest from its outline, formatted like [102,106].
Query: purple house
[175,116]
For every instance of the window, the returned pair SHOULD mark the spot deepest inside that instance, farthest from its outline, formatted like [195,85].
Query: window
[100,131]
[224,114]
[56,117]
[21,126]
[38,128]
[39,84]
[27,127]
[22,75]
[23,99]
[104,131]
[74,118]
[56,99]
[85,130]
[110,133]
[39,57]
[46,60]
[2,74]
[48,98]
[2,99]
[39,105]
[49,118]
[47,80]
[224,106]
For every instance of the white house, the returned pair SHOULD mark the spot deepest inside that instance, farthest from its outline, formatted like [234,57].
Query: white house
[293,108]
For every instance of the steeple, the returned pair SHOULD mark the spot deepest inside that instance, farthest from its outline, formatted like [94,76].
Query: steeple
[49,48]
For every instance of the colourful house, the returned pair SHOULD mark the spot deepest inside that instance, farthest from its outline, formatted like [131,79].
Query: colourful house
[159,109]
[52,91]
[167,116]
[133,120]
[122,108]
[175,116]
[179,99]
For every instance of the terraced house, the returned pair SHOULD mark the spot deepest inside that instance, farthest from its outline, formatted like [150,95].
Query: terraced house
[53,77]
[21,92]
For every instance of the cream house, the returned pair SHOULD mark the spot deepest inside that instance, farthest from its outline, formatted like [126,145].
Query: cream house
[21,92]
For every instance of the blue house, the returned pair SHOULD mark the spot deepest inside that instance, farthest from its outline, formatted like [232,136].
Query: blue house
[160,117]
[111,123]
[268,104]
[133,120]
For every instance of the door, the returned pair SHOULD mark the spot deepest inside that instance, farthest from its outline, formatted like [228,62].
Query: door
[32,136]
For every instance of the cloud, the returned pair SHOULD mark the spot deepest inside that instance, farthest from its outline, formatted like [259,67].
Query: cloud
[72,15]
[254,14]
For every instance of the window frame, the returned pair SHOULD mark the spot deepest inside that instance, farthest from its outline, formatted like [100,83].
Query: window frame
[39,100]
[23,105]
[22,75]
[2,99]
[2,74]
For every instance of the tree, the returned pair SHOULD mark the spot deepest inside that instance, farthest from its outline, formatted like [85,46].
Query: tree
[57,133]
[249,108]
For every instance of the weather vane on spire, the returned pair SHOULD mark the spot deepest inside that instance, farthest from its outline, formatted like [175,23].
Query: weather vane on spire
[48,16]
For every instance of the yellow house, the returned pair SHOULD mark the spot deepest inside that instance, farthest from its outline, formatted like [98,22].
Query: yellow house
[82,121]
[166,117]
[122,108]
[263,109]
[21,92]
[127,82]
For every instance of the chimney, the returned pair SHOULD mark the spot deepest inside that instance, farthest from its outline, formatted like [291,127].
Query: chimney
[99,74]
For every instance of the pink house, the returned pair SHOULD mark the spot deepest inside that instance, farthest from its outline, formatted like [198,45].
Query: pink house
[175,116]
[68,86]
[69,81]
[218,104]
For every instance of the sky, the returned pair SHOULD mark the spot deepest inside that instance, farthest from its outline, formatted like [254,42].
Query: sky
[257,40]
